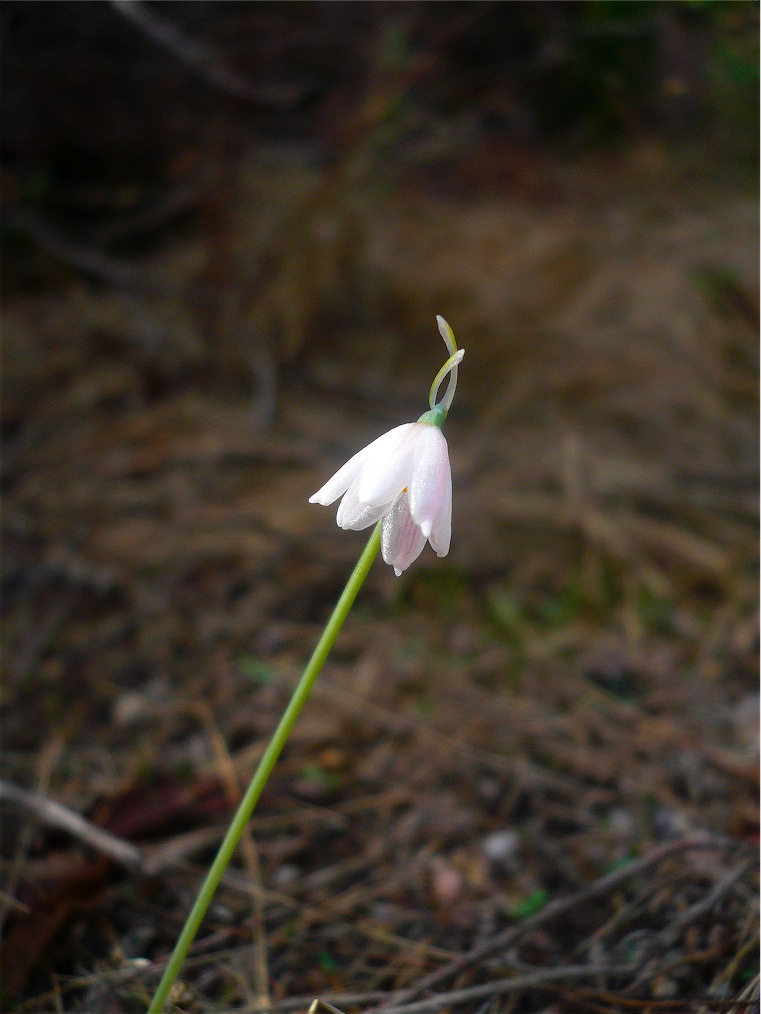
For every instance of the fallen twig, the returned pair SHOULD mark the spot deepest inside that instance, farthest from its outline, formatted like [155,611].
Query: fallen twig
[556,908]
[502,987]
[55,815]
[83,258]
[702,907]
[204,61]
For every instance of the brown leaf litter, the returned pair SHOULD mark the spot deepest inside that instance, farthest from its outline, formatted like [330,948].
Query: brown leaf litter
[528,774]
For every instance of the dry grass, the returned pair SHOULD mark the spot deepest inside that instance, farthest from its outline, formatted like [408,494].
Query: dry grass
[497,735]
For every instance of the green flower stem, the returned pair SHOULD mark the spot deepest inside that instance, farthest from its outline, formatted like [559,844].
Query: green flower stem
[262,773]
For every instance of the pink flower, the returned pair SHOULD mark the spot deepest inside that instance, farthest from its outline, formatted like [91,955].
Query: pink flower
[403,478]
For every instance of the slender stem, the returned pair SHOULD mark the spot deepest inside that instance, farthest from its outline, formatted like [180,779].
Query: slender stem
[263,771]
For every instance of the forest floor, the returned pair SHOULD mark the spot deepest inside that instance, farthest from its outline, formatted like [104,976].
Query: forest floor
[527,779]
[571,690]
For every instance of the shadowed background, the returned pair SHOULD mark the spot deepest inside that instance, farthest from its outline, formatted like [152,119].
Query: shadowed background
[227,230]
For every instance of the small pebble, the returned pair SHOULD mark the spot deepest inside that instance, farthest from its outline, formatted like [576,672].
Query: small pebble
[285,875]
[129,709]
[447,884]
[622,823]
[501,846]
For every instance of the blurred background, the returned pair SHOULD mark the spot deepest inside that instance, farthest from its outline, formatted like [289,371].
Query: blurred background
[227,229]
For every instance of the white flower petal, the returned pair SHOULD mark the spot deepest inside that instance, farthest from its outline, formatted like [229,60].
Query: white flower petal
[354,515]
[401,540]
[441,535]
[387,471]
[338,484]
[431,478]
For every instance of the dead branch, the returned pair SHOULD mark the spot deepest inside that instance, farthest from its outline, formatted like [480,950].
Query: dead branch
[55,815]
[503,987]
[202,60]
[598,889]
[83,258]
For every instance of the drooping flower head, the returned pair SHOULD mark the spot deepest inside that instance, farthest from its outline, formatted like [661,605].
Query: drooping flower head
[403,478]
